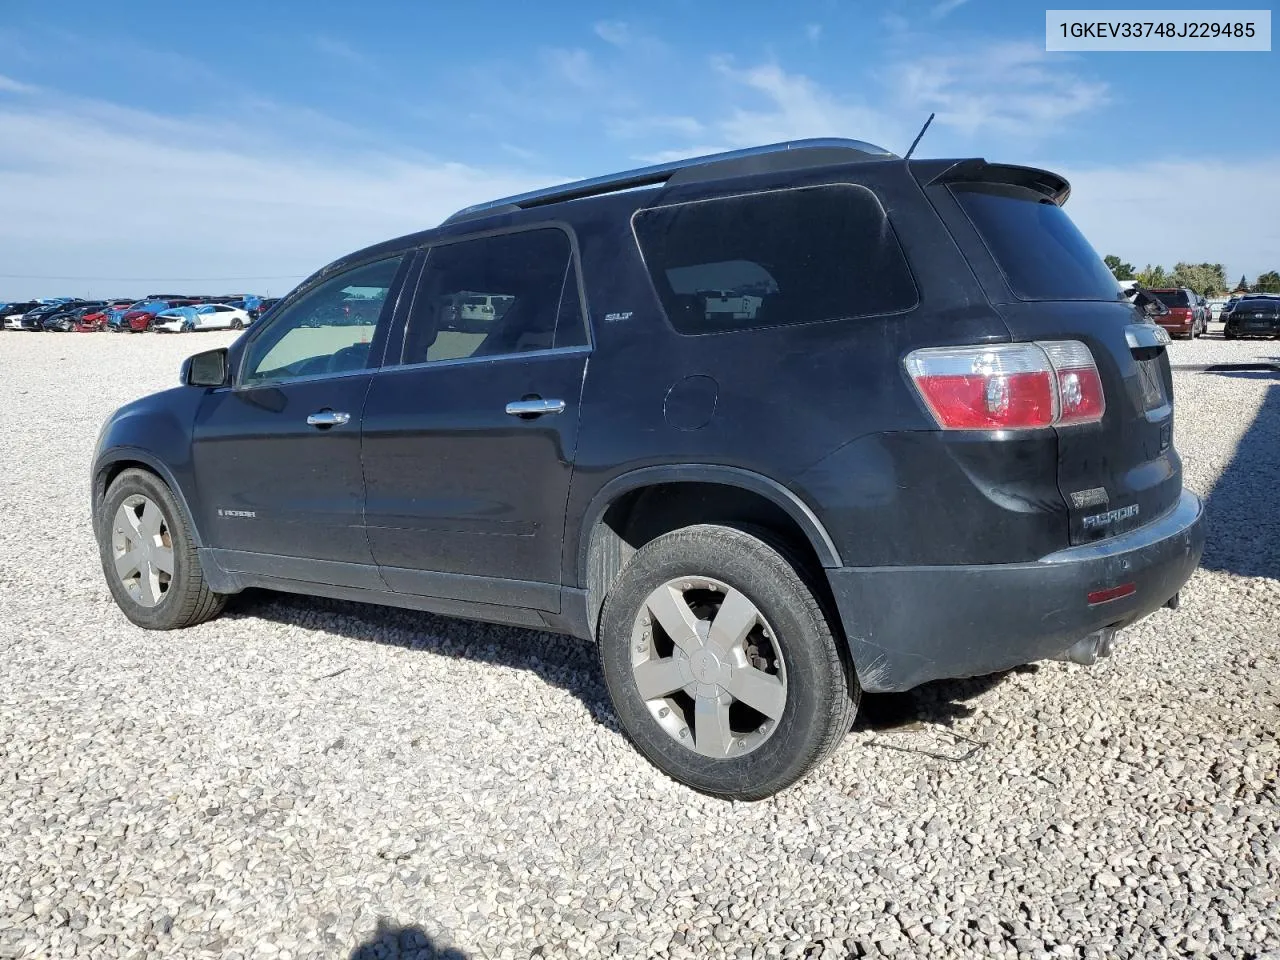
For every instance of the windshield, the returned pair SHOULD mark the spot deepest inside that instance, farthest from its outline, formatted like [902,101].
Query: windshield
[1040,251]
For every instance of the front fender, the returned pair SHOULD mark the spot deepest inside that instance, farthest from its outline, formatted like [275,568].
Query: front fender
[154,432]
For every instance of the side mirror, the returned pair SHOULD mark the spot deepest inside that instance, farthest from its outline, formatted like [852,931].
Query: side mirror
[208,369]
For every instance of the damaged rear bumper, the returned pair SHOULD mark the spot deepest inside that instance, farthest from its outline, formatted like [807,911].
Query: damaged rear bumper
[908,625]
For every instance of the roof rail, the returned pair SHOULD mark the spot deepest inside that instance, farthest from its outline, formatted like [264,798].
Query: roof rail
[820,150]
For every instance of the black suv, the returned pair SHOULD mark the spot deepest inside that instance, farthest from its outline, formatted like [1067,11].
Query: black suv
[774,427]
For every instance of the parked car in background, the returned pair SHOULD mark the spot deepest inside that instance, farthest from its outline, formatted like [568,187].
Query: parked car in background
[97,319]
[12,313]
[175,320]
[953,460]
[1257,315]
[1186,317]
[139,316]
[221,316]
[65,320]
[33,320]
[205,316]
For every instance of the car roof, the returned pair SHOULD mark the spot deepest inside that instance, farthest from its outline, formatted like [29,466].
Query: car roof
[792,155]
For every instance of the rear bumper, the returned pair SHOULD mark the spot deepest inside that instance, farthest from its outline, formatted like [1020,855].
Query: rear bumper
[1253,328]
[908,625]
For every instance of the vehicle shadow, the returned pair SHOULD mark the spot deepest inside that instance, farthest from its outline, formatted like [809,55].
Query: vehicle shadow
[940,702]
[391,941]
[566,662]
[1242,510]
[562,661]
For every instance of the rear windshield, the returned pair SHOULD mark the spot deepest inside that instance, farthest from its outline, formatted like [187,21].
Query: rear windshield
[1246,307]
[1038,248]
[1171,298]
[773,258]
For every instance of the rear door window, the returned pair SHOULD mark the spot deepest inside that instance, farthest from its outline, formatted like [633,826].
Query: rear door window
[1042,254]
[497,295]
[774,258]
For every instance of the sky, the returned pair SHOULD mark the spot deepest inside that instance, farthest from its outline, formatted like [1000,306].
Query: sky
[239,146]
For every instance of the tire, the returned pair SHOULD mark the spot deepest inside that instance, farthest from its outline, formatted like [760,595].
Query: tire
[789,635]
[237,324]
[184,599]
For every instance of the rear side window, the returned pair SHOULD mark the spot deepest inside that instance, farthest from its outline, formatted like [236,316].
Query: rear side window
[769,259]
[1040,251]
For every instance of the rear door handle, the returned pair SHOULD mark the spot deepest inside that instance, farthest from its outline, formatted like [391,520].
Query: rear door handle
[534,407]
[328,418]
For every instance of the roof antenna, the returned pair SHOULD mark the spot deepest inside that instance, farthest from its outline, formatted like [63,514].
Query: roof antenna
[918,136]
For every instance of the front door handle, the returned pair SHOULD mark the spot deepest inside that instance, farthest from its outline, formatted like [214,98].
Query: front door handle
[534,407]
[328,418]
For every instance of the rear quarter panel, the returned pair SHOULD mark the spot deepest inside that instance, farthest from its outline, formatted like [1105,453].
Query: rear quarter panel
[825,408]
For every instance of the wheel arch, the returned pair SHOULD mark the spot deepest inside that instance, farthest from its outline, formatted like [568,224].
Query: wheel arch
[638,506]
[113,463]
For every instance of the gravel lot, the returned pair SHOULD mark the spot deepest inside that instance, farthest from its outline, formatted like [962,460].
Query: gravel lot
[317,779]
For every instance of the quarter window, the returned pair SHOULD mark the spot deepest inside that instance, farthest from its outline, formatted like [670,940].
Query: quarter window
[505,294]
[775,258]
[327,330]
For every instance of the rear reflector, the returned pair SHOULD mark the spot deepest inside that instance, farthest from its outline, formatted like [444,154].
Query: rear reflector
[1015,386]
[1112,593]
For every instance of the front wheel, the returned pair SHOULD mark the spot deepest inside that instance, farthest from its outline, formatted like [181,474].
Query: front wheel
[237,324]
[721,665]
[149,557]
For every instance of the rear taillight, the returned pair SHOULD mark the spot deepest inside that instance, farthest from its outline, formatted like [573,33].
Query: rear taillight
[1017,386]
[1080,396]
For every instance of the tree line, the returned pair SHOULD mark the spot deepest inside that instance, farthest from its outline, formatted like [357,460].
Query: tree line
[1206,279]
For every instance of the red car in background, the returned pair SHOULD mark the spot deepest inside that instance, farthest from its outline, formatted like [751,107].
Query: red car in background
[96,320]
[140,318]
[1187,317]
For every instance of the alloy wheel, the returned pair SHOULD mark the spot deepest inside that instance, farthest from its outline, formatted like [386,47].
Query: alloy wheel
[709,667]
[142,549]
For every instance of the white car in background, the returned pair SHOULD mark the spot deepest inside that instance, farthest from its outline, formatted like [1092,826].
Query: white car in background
[206,316]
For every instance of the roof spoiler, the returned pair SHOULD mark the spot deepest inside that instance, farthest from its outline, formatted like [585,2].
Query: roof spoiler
[791,154]
[1051,186]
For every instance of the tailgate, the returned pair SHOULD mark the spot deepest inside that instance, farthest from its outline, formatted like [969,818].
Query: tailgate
[1124,471]
[1047,283]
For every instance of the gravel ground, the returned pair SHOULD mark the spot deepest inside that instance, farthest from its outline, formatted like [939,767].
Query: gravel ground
[317,779]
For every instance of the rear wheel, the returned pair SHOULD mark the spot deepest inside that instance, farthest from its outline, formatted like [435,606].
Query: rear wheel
[149,557]
[721,666]
[237,324]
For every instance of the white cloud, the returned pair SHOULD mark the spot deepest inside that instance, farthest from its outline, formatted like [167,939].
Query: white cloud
[574,67]
[616,32]
[165,197]
[813,31]
[340,50]
[792,107]
[940,10]
[625,128]
[1220,214]
[9,85]
[1008,88]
